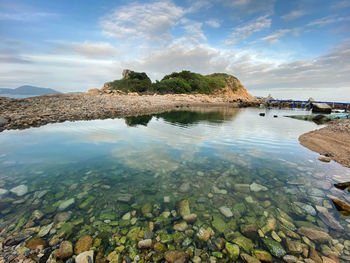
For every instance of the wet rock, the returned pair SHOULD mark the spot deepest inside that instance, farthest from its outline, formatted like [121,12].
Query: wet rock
[182,226]
[219,191]
[83,244]
[66,204]
[45,230]
[147,243]
[313,234]
[226,211]
[184,207]
[274,247]
[203,234]
[125,198]
[324,159]
[290,259]
[250,231]
[232,250]
[244,243]
[85,257]
[176,256]
[20,190]
[191,218]
[65,250]
[185,187]
[35,243]
[293,247]
[254,187]
[342,206]
[263,255]
[342,186]
[249,259]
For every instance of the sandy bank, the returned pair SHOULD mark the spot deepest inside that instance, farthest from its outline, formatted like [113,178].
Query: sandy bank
[333,139]
[37,111]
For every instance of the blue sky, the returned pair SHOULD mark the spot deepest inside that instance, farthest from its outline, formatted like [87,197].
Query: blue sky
[290,49]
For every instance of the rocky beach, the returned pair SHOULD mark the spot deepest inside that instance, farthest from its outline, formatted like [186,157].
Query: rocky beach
[332,141]
[96,104]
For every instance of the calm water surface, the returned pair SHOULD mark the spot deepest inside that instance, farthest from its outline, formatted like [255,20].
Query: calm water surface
[110,178]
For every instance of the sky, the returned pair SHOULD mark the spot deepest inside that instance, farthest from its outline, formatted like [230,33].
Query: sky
[289,49]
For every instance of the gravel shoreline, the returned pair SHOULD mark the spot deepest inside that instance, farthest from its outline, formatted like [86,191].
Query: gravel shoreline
[41,110]
[333,140]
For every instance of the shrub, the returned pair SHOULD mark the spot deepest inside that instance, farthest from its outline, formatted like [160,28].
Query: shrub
[174,85]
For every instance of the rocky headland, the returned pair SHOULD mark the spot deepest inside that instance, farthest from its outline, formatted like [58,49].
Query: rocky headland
[132,95]
[99,104]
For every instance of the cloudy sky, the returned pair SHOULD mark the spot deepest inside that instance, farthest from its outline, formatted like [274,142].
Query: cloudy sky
[290,49]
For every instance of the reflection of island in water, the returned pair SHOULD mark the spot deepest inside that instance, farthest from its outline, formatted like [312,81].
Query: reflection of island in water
[188,117]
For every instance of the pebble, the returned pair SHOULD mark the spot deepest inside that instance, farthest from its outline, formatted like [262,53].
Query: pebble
[3,191]
[219,191]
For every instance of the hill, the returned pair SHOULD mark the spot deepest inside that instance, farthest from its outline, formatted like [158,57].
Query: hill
[178,83]
[28,90]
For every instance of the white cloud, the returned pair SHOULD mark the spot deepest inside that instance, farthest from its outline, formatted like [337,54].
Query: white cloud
[274,38]
[148,21]
[88,49]
[328,20]
[248,6]
[341,4]
[194,31]
[244,31]
[26,16]
[213,23]
[294,14]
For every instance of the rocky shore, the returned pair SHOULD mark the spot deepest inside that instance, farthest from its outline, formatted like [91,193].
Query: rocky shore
[38,111]
[333,142]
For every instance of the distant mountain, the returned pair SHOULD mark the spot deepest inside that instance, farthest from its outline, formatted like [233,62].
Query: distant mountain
[28,90]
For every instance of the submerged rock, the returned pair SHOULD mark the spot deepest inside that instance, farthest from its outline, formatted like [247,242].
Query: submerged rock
[219,191]
[45,230]
[254,187]
[176,256]
[185,187]
[342,206]
[146,243]
[184,207]
[313,234]
[226,211]
[249,259]
[328,218]
[191,218]
[65,250]
[274,247]
[66,204]
[245,243]
[203,234]
[232,250]
[83,244]
[3,191]
[85,257]
[263,255]
[182,226]
[20,190]
[125,198]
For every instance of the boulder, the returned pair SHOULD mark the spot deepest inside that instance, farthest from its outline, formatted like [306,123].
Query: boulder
[313,234]
[321,108]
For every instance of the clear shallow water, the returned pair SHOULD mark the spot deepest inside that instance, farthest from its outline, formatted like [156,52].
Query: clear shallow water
[108,168]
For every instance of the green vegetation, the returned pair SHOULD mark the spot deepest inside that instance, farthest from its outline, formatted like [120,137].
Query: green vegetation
[175,83]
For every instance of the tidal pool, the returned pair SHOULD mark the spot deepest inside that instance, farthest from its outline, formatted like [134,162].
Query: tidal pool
[220,184]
